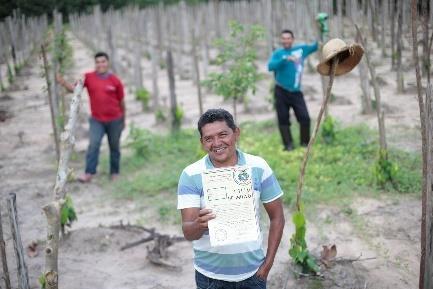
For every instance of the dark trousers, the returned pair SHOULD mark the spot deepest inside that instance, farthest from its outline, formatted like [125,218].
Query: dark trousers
[285,100]
[97,130]
[204,282]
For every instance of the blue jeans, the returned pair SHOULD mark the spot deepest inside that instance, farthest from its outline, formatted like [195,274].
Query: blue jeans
[97,130]
[204,282]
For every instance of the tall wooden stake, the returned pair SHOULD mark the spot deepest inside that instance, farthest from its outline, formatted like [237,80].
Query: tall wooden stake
[23,277]
[315,131]
[50,102]
[3,256]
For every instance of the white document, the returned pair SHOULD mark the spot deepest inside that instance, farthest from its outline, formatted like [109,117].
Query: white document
[229,193]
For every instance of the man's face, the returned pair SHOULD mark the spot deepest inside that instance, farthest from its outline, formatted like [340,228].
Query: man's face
[219,141]
[101,64]
[287,40]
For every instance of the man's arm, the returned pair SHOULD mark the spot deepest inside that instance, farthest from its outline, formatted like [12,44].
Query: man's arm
[68,86]
[310,48]
[276,215]
[275,61]
[194,222]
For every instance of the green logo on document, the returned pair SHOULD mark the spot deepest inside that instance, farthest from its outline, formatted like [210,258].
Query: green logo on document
[242,177]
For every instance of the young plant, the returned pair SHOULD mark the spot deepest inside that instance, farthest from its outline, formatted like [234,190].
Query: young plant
[236,58]
[328,129]
[160,116]
[139,140]
[143,95]
[179,115]
[67,213]
[298,250]
[384,170]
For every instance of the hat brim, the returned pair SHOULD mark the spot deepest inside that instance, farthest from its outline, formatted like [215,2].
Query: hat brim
[350,56]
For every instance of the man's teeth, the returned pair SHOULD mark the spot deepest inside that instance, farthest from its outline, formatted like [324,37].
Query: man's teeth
[219,150]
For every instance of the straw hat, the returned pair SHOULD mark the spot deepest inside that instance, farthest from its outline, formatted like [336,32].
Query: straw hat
[349,56]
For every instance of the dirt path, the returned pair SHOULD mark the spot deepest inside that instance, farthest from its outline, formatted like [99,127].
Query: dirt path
[90,256]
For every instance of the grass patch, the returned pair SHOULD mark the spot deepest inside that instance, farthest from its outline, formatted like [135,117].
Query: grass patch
[336,172]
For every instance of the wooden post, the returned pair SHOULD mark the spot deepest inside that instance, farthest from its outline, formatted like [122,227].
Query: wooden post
[23,278]
[112,49]
[426,261]
[3,256]
[197,71]
[175,125]
[315,131]
[52,210]
[155,67]
[393,36]
[400,80]
[50,102]
[365,85]
[380,113]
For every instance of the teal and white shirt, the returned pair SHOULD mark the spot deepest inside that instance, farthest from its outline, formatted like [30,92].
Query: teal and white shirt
[236,262]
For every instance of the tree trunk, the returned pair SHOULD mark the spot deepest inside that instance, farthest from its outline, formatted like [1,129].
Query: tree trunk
[52,212]
[400,80]
[340,22]
[383,19]
[67,143]
[23,277]
[3,256]
[112,49]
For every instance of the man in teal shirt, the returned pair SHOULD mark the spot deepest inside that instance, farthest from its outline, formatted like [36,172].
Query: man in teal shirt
[287,63]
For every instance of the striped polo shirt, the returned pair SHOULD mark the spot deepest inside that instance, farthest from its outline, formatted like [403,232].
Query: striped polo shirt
[235,262]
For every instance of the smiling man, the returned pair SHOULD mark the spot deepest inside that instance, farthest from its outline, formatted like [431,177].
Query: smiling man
[107,107]
[243,265]
[287,64]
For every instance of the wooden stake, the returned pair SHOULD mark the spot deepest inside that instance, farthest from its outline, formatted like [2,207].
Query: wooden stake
[173,102]
[423,278]
[50,102]
[23,277]
[3,256]
[315,131]
[197,72]
[380,113]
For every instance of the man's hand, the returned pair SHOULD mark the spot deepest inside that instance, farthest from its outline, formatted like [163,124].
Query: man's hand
[68,86]
[195,222]
[59,78]
[204,216]
[263,271]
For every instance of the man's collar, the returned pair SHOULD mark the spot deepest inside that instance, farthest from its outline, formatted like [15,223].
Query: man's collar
[241,160]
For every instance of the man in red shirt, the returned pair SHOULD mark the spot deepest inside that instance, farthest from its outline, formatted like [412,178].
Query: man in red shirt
[107,108]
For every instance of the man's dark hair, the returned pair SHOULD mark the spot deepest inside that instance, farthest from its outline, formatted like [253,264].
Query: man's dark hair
[102,54]
[213,115]
[288,31]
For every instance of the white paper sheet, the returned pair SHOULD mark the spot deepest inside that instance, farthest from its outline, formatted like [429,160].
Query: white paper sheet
[229,193]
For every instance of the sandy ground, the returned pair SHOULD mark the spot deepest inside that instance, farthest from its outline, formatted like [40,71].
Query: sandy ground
[383,231]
